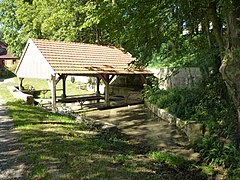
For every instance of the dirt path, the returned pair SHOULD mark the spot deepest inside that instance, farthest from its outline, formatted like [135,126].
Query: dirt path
[141,127]
[11,166]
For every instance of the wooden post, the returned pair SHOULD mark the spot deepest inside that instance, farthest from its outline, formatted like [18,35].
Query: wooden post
[106,80]
[107,91]
[52,84]
[20,86]
[64,77]
[143,78]
[98,84]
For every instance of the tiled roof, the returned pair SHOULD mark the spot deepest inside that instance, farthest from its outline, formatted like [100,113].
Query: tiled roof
[7,56]
[79,58]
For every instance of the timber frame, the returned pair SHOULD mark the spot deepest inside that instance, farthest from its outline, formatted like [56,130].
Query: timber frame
[56,60]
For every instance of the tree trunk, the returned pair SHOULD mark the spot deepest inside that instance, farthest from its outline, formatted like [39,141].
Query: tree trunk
[217,25]
[230,68]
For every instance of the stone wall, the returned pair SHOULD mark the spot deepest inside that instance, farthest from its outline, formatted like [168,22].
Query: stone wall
[130,81]
[177,77]
[129,87]
[20,95]
[192,129]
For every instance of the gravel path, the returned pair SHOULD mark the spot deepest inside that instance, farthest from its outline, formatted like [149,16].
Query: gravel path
[10,148]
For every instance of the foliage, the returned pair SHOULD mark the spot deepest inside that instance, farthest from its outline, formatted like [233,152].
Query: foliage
[208,104]
[6,72]
[171,160]
[99,22]
[215,150]
[233,173]
[186,52]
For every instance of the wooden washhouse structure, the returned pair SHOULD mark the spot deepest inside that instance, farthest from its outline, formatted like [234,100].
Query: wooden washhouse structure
[55,60]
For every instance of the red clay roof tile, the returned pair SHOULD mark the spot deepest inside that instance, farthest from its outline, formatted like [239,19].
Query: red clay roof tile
[79,58]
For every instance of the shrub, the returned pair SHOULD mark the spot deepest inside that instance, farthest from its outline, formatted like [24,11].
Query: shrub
[208,104]
[215,150]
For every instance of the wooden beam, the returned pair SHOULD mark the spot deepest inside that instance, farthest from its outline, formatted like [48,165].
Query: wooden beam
[64,77]
[107,92]
[106,80]
[20,86]
[98,85]
[60,77]
[52,84]
[111,78]
[143,78]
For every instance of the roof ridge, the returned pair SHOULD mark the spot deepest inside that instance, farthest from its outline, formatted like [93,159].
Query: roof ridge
[67,42]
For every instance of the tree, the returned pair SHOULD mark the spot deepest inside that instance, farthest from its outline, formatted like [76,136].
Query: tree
[139,26]
[223,16]
[10,27]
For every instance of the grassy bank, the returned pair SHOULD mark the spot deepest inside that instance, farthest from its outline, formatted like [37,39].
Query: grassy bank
[72,88]
[58,147]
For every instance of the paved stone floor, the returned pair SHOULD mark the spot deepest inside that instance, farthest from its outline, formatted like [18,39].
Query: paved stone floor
[135,122]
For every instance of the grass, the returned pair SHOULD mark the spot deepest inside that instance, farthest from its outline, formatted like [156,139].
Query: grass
[40,84]
[57,147]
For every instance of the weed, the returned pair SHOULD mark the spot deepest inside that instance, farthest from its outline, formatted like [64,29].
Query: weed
[171,160]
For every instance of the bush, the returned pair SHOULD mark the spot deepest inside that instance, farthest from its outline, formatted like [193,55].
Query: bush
[215,150]
[208,104]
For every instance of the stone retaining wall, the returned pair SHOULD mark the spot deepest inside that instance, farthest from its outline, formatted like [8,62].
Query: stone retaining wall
[177,77]
[20,95]
[192,129]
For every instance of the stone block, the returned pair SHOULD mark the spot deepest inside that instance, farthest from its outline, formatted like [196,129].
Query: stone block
[20,95]
[192,129]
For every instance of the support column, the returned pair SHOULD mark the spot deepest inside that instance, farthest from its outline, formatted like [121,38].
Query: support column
[107,91]
[52,84]
[106,80]
[64,77]
[98,89]
[143,79]
[20,86]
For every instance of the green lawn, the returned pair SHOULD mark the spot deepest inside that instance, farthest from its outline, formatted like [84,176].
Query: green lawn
[57,147]
[40,84]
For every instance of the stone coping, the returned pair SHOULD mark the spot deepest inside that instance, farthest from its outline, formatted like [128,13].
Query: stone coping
[20,95]
[192,129]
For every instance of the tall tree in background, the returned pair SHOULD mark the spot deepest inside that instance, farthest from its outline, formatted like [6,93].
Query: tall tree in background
[10,27]
[222,18]
[230,51]
[73,20]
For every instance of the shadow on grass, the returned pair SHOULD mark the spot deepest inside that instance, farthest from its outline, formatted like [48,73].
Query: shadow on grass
[58,147]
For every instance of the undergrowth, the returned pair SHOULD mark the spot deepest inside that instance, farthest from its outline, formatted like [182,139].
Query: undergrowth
[207,103]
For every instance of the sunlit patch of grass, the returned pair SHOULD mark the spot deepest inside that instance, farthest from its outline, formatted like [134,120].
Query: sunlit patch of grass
[171,160]
[40,84]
